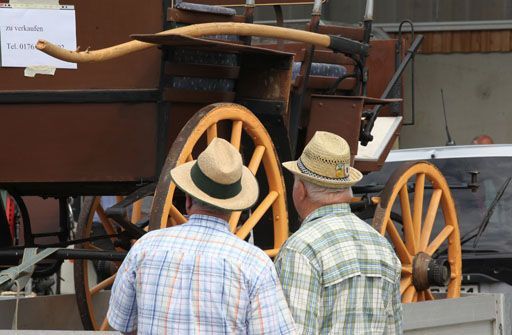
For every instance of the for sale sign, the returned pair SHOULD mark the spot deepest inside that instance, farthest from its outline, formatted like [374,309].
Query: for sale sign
[20,28]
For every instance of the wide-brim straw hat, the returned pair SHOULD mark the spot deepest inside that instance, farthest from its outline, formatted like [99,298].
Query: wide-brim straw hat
[325,162]
[218,177]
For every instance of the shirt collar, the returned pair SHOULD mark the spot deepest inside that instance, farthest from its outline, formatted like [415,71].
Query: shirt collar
[208,221]
[327,210]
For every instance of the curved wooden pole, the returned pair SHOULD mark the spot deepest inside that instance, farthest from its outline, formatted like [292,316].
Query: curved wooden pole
[198,30]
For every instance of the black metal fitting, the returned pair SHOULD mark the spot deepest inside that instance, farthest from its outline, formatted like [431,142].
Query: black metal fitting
[438,273]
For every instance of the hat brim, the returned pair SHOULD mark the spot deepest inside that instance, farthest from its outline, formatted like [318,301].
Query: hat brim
[354,176]
[243,200]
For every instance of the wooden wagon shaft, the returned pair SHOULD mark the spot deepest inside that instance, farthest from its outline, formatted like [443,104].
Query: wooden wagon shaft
[335,43]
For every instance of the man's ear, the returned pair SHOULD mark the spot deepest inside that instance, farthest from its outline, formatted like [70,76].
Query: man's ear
[188,203]
[302,192]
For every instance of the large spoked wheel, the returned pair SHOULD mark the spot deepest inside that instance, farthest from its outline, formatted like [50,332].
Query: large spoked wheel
[423,230]
[91,278]
[237,125]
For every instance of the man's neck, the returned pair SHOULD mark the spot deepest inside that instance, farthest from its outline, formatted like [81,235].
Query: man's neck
[224,217]
[313,206]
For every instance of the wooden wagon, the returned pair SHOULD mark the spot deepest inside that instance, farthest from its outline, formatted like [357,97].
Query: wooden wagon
[115,128]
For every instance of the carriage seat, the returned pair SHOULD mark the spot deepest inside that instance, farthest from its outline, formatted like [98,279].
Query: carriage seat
[194,7]
[320,69]
[190,56]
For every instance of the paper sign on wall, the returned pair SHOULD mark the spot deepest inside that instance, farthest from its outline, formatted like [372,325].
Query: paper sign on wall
[20,28]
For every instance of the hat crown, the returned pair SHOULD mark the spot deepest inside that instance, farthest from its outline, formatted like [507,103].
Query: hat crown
[327,155]
[221,162]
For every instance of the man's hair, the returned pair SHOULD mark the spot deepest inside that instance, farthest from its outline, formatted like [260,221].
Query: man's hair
[207,207]
[326,195]
[482,139]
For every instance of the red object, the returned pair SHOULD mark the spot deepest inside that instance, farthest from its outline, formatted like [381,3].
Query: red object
[10,212]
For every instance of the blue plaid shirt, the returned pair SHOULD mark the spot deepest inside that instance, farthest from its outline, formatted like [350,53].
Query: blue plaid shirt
[198,278]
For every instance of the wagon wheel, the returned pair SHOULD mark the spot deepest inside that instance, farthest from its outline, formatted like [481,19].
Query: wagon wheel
[87,289]
[202,128]
[415,245]
[202,123]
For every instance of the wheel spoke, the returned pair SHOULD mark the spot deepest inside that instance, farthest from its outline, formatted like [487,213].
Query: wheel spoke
[400,247]
[211,133]
[254,164]
[410,239]
[257,214]
[105,221]
[136,211]
[272,252]
[417,213]
[89,245]
[436,243]
[236,134]
[429,295]
[100,286]
[176,215]
[406,270]
[430,219]
[408,295]
[104,324]
[233,220]
[405,283]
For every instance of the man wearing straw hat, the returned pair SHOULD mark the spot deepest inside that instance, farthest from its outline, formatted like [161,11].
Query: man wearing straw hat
[340,276]
[199,277]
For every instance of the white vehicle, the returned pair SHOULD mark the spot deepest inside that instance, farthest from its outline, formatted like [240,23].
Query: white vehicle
[479,177]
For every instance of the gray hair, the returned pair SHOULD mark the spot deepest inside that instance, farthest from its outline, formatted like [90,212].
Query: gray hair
[326,195]
[207,207]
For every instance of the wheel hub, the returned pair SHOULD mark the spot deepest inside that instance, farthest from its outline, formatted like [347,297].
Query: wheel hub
[427,272]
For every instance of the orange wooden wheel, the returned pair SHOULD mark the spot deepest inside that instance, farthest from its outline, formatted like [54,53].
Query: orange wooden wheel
[235,122]
[415,244]
[87,284]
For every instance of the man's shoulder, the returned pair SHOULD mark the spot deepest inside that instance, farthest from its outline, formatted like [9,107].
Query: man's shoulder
[343,244]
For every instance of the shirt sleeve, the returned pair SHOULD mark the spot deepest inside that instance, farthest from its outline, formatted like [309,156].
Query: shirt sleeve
[302,287]
[268,312]
[122,312]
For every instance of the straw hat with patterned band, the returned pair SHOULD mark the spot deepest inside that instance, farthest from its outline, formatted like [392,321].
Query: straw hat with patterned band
[325,161]
[218,177]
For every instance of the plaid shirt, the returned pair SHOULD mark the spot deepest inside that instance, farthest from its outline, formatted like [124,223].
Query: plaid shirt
[198,278]
[340,276]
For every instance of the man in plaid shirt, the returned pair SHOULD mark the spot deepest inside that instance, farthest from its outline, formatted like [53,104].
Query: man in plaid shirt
[199,278]
[340,276]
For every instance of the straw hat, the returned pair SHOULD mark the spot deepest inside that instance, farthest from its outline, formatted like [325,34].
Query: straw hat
[325,161]
[218,177]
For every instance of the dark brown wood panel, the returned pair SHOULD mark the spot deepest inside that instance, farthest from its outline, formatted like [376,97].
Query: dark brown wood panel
[202,70]
[77,142]
[468,41]
[381,68]
[99,25]
[338,115]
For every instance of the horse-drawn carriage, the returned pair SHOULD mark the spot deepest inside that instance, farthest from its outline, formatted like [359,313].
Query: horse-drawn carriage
[116,127]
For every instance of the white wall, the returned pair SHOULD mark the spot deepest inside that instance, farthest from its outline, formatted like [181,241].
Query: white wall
[478,98]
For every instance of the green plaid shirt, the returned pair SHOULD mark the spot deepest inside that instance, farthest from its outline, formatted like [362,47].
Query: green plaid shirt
[340,276]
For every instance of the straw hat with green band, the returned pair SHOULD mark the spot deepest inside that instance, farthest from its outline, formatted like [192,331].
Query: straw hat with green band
[325,161]
[218,177]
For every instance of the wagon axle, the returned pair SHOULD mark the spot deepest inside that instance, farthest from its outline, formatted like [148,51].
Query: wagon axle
[427,272]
